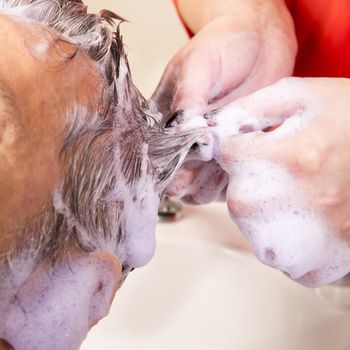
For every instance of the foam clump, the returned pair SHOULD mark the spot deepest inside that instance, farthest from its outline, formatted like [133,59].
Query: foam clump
[283,228]
[284,231]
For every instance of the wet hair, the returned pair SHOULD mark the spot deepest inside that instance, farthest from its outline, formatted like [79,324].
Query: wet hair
[105,151]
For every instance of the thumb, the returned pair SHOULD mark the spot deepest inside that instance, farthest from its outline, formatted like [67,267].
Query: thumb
[185,85]
[205,73]
[163,96]
[214,71]
[261,123]
[196,82]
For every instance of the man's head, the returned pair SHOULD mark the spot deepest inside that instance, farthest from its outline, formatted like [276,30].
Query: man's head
[83,162]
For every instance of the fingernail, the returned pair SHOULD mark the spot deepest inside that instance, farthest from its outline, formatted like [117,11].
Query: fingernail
[211,113]
[176,117]
[194,147]
[244,129]
[212,122]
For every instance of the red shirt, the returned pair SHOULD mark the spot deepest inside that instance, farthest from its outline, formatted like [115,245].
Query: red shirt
[323,31]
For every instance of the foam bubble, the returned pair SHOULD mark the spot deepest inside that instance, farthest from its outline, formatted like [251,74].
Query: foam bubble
[140,213]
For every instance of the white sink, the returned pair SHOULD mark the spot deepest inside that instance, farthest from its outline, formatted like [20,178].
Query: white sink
[201,293]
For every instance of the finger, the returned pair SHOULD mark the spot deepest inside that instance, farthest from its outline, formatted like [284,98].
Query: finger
[164,94]
[219,63]
[208,185]
[198,182]
[265,108]
[243,129]
[195,82]
[183,89]
[183,181]
[184,86]
[270,211]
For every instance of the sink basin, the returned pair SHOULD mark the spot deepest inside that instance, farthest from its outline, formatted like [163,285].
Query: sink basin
[203,290]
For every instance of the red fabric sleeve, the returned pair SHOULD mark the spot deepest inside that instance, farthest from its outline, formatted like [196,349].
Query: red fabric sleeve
[323,32]
[190,34]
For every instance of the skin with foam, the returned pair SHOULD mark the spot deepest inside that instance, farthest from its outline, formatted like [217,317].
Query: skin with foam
[32,309]
[83,154]
[292,223]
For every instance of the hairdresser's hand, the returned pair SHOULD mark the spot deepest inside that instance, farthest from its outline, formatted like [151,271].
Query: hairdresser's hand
[199,182]
[289,188]
[239,47]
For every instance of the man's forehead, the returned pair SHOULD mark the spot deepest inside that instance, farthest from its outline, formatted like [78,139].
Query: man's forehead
[37,51]
[39,85]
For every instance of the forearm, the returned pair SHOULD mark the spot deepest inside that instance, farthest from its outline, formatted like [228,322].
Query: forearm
[244,14]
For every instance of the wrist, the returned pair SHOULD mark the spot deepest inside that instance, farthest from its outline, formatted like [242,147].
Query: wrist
[270,18]
[197,14]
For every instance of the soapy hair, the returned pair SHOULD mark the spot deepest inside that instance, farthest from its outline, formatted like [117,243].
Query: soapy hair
[106,153]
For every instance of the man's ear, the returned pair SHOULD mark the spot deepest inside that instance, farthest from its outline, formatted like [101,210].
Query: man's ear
[107,279]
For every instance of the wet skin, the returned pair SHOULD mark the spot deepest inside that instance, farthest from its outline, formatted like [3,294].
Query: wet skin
[54,307]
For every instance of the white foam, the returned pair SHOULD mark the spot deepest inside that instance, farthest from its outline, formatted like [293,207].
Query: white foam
[276,217]
[55,308]
[141,220]
[141,204]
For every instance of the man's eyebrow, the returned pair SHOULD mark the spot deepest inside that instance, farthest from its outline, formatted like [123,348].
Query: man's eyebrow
[53,50]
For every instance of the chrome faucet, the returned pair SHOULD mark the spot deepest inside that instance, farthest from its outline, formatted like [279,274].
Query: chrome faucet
[170,209]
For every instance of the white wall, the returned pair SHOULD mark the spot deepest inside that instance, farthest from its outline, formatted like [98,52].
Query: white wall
[152,36]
